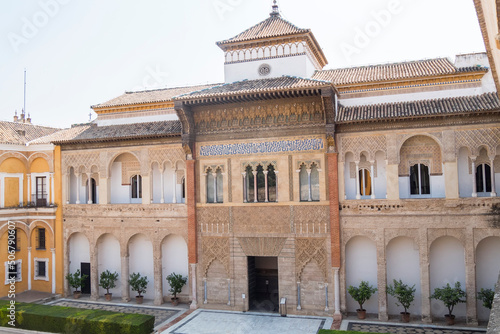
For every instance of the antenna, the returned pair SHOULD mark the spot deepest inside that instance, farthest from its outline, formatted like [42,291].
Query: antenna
[24,90]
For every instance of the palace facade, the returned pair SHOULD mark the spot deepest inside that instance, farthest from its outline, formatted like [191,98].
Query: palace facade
[290,181]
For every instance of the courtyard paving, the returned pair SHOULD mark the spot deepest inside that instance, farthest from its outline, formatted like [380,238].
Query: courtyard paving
[222,322]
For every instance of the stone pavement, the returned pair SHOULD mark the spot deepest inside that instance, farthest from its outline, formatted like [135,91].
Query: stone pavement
[394,328]
[225,322]
[162,315]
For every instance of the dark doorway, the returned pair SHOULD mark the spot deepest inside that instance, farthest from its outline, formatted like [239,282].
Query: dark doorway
[85,269]
[263,289]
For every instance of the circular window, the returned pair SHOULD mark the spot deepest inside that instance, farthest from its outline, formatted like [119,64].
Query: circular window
[264,69]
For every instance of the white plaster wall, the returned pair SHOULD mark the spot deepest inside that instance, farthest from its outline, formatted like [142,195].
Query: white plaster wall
[156,184]
[134,120]
[108,258]
[119,194]
[381,179]
[403,263]
[79,251]
[168,183]
[361,265]
[437,186]
[141,260]
[350,184]
[174,259]
[298,65]
[487,269]
[447,265]
[464,178]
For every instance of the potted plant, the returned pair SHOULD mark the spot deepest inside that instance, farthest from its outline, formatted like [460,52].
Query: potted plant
[139,284]
[486,296]
[404,295]
[361,294]
[176,282]
[108,281]
[450,297]
[76,281]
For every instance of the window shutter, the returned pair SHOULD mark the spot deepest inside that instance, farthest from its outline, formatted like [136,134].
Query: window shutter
[37,268]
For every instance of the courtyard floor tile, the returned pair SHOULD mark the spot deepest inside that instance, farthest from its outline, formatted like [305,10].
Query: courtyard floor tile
[395,328]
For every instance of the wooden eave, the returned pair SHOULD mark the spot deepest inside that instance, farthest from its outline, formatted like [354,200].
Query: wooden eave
[133,107]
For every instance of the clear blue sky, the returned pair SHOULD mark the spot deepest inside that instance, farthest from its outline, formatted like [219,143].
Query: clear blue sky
[83,52]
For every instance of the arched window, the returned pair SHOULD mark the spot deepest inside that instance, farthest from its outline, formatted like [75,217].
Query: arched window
[272,193]
[365,182]
[309,183]
[214,186]
[183,183]
[483,178]
[260,185]
[419,180]
[93,190]
[248,186]
[136,186]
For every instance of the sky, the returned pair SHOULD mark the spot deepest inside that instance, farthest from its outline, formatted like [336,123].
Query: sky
[79,53]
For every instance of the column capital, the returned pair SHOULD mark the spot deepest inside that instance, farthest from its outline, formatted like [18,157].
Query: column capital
[254,173]
[52,250]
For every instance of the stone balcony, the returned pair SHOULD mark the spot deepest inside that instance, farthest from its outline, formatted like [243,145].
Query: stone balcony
[150,211]
[430,206]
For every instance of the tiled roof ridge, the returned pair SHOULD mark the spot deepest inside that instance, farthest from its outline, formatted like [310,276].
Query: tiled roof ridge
[239,37]
[405,109]
[30,124]
[165,89]
[250,81]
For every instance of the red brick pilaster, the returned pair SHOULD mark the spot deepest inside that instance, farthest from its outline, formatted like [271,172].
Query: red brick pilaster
[191,210]
[333,191]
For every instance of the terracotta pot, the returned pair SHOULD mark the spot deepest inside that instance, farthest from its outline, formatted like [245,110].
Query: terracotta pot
[108,296]
[405,317]
[77,294]
[139,299]
[450,319]
[361,314]
[175,301]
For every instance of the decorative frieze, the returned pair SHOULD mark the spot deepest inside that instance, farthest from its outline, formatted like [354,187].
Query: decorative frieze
[307,250]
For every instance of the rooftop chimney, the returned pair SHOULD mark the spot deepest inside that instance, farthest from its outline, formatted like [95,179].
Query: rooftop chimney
[15,117]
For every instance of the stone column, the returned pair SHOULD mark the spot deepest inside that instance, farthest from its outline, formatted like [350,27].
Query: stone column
[162,182]
[493,186]
[53,278]
[67,177]
[470,277]
[474,185]
[124,278]
[194,297]
[255,200]
[94,275]
[358,190]
[29,268]
[146,189]
[326,298]
[276,175]
[89,188]
[372,171]
[205,298]
[336,282]
[425,281]
[78,180]
[266,189]
[298,297]
[158,282]
[382,277]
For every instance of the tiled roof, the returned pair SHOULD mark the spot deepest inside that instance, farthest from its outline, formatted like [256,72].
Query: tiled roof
[396,71]
[149,96]
[22,133]
[446,106]
[273,26]
[255,86]
[93,133]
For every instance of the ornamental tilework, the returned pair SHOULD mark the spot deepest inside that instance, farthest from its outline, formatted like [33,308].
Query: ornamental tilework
[279,146]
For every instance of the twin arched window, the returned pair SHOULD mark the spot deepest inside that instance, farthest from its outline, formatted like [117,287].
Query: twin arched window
[309,183]
[260,184]
[214,186]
